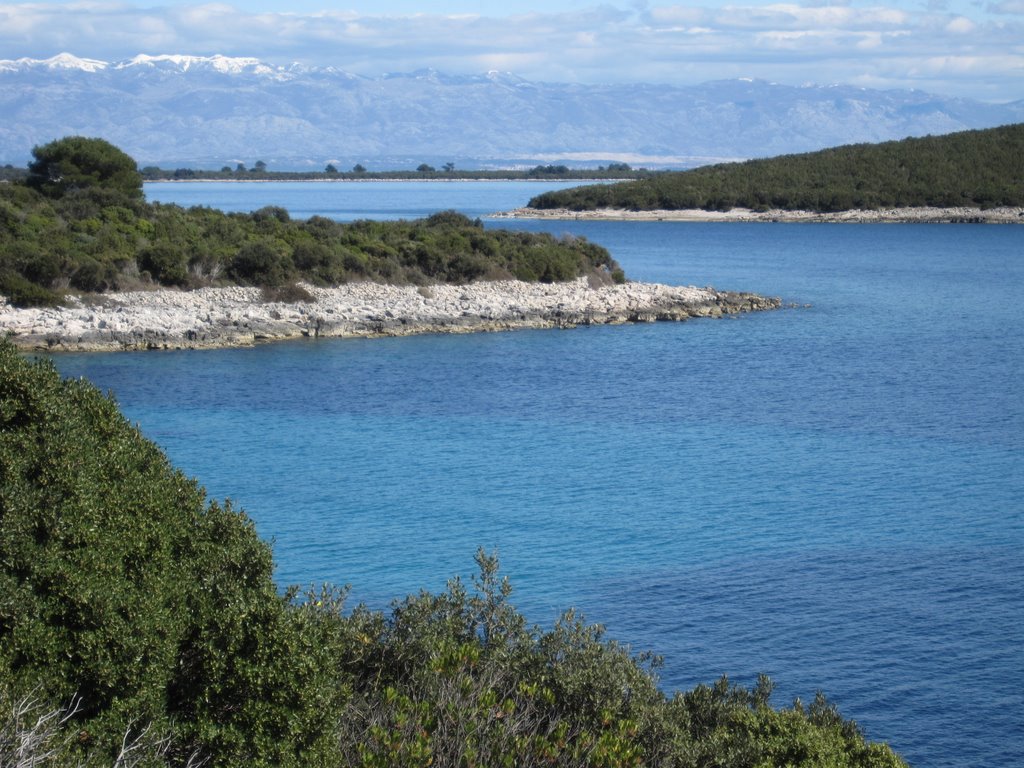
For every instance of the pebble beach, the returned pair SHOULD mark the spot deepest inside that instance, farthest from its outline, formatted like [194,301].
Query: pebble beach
[239,316]
[920,215]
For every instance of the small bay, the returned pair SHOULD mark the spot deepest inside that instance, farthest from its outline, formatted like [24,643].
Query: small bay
[831,494]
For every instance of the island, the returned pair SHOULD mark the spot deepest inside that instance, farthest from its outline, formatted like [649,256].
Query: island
[971,176]
[87,264]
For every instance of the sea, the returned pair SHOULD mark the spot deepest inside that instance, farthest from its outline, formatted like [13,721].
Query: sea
[831,493]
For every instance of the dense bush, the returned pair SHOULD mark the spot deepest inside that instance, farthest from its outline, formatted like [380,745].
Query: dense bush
[79,222]
[76,162]
[166,263]
[136,615]
[974,168]
[121,585]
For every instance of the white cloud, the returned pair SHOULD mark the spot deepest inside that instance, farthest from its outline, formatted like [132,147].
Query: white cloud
[961,26]
[1013,7]
[652,42]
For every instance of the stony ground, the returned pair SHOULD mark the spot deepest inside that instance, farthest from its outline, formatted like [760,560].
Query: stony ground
[234,316]
[885,215]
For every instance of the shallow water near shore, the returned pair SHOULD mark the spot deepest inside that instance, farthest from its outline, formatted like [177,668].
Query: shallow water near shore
[833,495]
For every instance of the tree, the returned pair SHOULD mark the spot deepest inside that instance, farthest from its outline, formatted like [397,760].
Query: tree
[449,167]
[240,168]
[358,168]
[77,162]
[424,168]
[260,166]
[331,169]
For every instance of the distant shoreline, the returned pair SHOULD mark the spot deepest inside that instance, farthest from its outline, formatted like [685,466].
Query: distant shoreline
[235,316]
[474,180]
[960,215]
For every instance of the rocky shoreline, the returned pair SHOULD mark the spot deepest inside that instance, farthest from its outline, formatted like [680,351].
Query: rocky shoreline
[235,316]
[921,215]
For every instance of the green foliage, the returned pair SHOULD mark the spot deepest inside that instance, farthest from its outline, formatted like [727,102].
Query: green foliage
[95,237]
[166,262]
[77,162]
[974,168]
[119,585]
[21,292]
[261,263]
[134,612]
[459,678]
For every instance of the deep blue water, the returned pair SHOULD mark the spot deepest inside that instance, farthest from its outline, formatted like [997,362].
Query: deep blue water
[833,494]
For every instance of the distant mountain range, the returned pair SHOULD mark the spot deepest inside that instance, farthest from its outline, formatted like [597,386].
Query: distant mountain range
[206,112]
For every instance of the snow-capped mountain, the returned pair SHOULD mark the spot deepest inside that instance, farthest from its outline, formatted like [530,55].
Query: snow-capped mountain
[63,61]
[207,111]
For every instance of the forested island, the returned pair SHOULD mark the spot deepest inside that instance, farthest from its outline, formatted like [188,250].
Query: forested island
[79,221]
[977,170]
[140,626]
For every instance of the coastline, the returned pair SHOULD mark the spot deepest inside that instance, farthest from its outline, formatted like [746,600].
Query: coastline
[923,215]
[235,317]
[472,180]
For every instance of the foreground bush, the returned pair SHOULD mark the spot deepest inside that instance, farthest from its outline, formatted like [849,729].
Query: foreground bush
[122,589]
[139,625]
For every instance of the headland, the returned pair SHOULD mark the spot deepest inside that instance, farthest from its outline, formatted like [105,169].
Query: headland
[912,215]
[239,316]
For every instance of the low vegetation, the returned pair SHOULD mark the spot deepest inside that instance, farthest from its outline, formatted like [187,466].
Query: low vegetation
[140,625]
[79,222]
[981,169]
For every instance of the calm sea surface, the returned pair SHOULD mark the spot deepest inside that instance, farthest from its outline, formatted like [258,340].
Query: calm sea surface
[833,495]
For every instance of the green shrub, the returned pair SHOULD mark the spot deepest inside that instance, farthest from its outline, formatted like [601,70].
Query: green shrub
[260,263]
[166,263]
[24,293]
[121,586]
[93,275]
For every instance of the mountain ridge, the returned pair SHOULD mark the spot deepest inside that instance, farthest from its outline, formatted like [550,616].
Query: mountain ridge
[207,111]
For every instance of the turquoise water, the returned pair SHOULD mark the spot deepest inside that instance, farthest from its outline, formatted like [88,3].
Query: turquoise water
[833,494]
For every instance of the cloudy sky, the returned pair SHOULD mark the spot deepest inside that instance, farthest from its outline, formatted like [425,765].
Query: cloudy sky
[969,48]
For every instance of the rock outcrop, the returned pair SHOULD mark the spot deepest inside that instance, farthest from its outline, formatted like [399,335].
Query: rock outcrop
[225,317]
[922,215]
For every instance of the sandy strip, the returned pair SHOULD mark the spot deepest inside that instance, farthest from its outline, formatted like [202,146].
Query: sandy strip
[226,317]
[887,215]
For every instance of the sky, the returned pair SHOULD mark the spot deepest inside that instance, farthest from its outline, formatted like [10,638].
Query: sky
[970,48]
